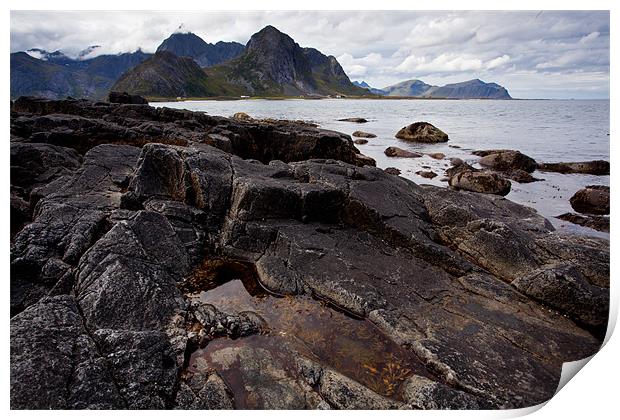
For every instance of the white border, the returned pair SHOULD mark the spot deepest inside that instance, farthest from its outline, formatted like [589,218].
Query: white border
[593,394]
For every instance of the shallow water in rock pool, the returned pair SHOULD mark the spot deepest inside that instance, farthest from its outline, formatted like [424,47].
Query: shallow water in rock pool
[309,327]
[546,130]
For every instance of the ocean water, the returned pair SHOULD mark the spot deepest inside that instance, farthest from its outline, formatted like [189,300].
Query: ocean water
[546,130]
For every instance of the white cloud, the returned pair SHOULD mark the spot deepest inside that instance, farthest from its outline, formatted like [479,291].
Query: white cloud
[589,38]
[497,62]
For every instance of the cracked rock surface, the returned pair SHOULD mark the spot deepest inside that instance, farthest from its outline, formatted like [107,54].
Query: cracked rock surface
[122,208]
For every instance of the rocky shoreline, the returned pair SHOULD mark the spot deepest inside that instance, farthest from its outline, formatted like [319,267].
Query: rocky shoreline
[124,218]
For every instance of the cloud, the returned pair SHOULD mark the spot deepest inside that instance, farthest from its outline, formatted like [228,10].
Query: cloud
[449,63]
[589,38]
[512,48]
[497,62]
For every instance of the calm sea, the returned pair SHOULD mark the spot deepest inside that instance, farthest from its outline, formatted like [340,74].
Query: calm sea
[546,130]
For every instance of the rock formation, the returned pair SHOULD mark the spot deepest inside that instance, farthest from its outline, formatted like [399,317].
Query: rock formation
[422,132]
[134,211]
[593,199]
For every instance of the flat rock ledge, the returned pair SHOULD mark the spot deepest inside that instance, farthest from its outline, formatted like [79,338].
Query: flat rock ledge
[121,203]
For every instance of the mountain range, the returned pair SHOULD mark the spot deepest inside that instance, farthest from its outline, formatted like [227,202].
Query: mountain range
[191,45]
[271,64]
[184,65]
[471,89]
[54,75]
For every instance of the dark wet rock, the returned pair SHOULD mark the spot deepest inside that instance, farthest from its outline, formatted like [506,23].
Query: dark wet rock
[36,164]
[20,213]
[133,269]
[398,152]
[593,199]
[203,391]
[81,125]
[456,161]
[68,220]
[392,171]
[458,167]
[354,120]
[427,174]
[600,223]
[520,176]
[126,98]
[360,141]
[437,155]
[55,363]
[564,288]
[426,394]
[341,392]
[142,364]
[506,160]
[422,132]
[364,134]
[480,181]
[217,323]
[101,306]
[595,167]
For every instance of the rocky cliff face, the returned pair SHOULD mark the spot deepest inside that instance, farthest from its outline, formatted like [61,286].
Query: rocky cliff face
[205,54]
[128,213]
[274,64]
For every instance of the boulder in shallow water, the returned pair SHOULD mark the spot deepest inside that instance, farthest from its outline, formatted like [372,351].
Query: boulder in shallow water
[481,181]
[422,132]
[354,120]
[398,152]
[459,166]
[364,134]
[392,171]
[595,167]
[506,160]
[600,223]
[520,176]
[426,174]
[593,199]
[437,155]
[360,141]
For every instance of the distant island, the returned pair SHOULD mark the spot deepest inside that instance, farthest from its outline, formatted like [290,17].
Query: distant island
[471,89]
[271,64]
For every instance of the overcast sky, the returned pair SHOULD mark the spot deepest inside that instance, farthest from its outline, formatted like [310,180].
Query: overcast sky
[533,54]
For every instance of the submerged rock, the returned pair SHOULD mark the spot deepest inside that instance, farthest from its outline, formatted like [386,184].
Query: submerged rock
[437,156]
[354,120]
[364,134]
[422,132]
[398,152]
[600,223]
[101,275]
[595,167]
[593,199]
[427,174]
[506,160]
